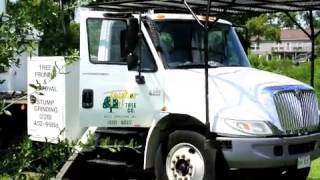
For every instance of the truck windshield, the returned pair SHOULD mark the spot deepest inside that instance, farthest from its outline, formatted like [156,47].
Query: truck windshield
[182,45]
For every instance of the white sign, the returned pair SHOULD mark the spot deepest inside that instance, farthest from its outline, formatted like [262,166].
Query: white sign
[46,98]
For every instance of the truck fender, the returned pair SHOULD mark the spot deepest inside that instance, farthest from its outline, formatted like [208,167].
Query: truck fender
[161,128]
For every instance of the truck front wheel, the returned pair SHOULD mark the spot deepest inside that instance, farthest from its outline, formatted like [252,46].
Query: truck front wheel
[184,157]
[298,174]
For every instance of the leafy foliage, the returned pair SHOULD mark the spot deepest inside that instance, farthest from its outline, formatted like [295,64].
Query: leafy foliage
[53,20]
[316,18]
[285,67]
[43,158]
[14,35]
[284,21]
[112,145]
[116,145]
[260,26]
[47,20]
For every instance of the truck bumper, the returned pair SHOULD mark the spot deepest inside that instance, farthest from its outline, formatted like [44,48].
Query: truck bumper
[267,153]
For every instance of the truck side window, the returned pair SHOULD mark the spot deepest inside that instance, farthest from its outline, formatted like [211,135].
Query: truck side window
[106,44]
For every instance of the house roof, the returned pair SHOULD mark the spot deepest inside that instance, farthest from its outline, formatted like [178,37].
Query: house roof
[294,35]
[290,35]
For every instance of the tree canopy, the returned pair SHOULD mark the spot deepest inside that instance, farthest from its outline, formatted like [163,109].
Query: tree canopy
[52,20]
[261,27]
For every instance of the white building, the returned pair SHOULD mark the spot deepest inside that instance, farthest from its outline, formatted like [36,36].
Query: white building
[294,44]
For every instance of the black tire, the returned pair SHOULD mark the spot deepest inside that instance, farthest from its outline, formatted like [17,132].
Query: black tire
[297,174]
[181,137]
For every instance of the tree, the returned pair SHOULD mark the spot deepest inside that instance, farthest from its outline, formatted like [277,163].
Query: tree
[284,21]
[53,20]
[14,35]
[261,27]
[305,18]
[58,34]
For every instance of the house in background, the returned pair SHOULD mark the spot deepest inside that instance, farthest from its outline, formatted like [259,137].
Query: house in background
[294,44]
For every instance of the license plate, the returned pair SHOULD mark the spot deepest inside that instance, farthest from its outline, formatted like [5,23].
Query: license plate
[304,162]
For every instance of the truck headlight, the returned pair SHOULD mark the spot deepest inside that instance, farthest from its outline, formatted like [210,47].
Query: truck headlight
[250,127]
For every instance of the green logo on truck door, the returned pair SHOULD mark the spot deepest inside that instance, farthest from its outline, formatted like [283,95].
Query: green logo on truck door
[120,99]
[110,103]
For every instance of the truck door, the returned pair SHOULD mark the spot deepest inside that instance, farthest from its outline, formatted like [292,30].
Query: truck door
[109,93]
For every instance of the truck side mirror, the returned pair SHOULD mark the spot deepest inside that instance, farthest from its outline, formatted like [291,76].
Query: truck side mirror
[132,36]
[132,60]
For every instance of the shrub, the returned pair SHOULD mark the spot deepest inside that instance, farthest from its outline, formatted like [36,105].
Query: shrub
[285,67]
[44,160]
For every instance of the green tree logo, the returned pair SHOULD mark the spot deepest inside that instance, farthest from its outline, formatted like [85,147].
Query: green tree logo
[110,103]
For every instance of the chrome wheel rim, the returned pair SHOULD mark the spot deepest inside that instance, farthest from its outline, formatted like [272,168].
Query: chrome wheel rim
[184,162]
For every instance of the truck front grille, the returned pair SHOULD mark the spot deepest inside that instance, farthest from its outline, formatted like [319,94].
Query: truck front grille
[297,110]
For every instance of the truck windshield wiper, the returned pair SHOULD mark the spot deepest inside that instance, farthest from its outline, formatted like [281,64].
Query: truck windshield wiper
[212,64]
[234,65]
[189,65]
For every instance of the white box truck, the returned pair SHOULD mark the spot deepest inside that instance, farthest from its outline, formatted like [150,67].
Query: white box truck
[148,79]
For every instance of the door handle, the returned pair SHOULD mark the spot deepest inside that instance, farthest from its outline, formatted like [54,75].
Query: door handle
[87,98]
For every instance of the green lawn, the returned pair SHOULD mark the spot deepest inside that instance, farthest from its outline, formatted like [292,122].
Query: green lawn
[315,170]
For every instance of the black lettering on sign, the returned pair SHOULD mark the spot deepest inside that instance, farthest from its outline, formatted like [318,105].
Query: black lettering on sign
[42,74]
[51,125]
[38,123]
[46,109]
[45,67]
[45,102]
[49,88]
[45,116]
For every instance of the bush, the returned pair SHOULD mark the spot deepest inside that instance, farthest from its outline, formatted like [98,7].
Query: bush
[28,158]
[285,67]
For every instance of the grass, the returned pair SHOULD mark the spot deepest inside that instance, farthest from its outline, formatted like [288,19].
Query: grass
[315,170]
[286,67]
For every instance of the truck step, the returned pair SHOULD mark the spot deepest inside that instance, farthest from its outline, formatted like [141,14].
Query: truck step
[87,167]
[117,169]
[111,163]
[125,157]
[115,131]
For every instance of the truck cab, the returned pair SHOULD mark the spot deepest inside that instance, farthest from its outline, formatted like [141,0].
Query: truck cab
[257,119]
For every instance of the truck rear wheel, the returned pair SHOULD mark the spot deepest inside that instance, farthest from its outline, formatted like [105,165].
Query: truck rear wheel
[184,157]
